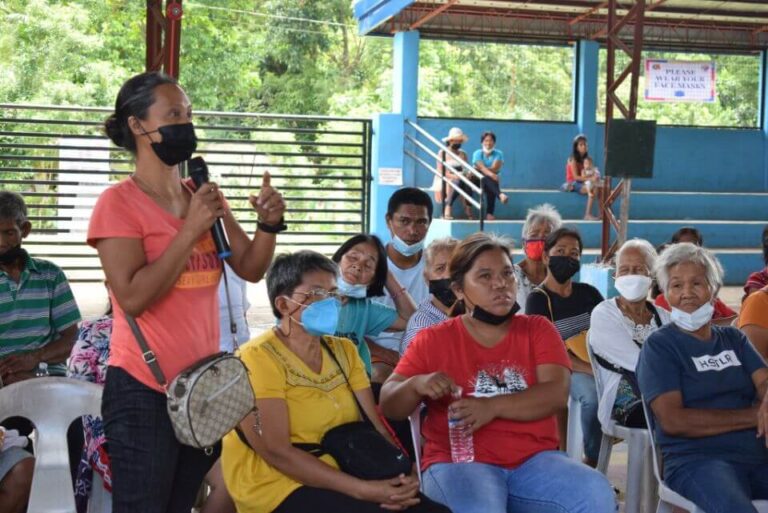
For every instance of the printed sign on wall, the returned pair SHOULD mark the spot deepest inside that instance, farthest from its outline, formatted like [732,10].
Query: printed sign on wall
[679,81]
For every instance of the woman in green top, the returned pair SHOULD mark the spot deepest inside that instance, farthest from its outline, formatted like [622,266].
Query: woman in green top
[363,275]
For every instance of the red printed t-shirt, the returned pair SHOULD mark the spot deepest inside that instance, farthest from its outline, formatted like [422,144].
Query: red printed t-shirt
[507,368]
[183,326]
[722,311]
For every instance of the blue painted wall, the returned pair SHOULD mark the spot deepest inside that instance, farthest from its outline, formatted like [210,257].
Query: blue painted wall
[687,159]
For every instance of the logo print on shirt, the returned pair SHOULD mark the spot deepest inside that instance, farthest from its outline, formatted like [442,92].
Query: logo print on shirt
[506,380]
[203,266]
[716,362]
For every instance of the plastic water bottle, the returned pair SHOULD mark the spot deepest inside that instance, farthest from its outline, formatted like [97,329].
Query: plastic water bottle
[42,370]
[462,446]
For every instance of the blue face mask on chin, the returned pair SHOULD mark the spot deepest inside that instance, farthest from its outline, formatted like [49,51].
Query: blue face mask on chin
[347,289]
[406,249]
[320,318]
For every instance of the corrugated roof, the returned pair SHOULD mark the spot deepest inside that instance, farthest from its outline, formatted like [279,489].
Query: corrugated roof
[735,25]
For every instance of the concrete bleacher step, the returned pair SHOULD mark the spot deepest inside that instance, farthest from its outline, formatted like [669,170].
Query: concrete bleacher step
[736,243]
[648,205]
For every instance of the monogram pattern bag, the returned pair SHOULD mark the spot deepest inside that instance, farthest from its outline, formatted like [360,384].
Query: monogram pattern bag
[208,399]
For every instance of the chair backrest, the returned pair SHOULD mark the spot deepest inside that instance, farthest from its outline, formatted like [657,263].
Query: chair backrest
[51,404]
[651,421]
[415,421]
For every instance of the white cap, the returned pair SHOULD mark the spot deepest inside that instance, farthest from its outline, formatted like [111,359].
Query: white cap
[454,134]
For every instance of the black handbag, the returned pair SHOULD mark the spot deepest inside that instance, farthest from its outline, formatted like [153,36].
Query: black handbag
[358,448]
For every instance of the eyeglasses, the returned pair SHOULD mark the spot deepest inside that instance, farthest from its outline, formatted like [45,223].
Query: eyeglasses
[405,222]
[319,294]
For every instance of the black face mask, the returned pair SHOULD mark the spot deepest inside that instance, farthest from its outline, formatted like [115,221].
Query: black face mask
[441,289]
[482,315]
[178,144]
[12,255]
[455,147]
[563,268]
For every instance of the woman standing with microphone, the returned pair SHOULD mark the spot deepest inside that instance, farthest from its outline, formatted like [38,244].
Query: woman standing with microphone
[153,235]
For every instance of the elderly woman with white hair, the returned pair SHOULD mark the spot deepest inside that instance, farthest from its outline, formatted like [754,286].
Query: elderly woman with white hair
[619,327]
[438,306]
[531,271]
[703,384]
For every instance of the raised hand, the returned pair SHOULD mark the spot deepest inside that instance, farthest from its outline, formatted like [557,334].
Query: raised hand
[269,203]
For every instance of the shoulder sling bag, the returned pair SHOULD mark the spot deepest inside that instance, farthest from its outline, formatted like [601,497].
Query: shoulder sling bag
[208,399]
[576,344]
[358,448]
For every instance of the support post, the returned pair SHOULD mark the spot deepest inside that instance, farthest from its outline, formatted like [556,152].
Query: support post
[163,40]
[405,86]
[587,62]
[764,113]
[636,14]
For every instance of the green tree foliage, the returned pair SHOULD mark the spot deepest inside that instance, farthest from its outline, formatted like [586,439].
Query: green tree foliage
[499,81]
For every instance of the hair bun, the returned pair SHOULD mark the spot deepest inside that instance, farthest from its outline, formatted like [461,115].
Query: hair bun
[114,131]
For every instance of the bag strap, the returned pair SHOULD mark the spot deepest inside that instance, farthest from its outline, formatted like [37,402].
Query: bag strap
[341,369]
[549,303]
[149,356]
[146,353]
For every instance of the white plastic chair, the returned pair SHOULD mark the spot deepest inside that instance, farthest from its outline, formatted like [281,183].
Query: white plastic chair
[51,404]
[668,498]
[415,420]
[641,489]
[574,442]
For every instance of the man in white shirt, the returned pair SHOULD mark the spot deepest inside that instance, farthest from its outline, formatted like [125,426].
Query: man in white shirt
[409,214]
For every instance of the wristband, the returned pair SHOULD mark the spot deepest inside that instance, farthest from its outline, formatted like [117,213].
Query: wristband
[272,228]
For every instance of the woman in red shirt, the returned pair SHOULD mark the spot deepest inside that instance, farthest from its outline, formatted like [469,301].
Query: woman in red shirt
[515,374]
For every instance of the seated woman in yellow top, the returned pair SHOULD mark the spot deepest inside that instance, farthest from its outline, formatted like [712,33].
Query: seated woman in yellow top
[301,393]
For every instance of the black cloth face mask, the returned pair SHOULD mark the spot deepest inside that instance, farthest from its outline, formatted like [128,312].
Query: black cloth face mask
[441,289]
[12,255]
[455,147]
[563,267]
[178,144]
[483,315]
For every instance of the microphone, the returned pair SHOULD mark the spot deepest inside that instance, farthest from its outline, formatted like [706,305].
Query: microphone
[198,171]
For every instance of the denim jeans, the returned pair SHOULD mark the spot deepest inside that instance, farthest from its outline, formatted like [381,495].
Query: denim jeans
[584,391]
[717,486]
[549,482]
[151,471]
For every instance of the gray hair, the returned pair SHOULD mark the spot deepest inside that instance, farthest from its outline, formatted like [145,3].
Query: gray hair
[644,248]
[684,252]
[438,245]
[12,207]
[288,270]
[542,213]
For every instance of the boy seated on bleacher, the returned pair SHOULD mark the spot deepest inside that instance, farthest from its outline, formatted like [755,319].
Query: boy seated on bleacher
[38,314]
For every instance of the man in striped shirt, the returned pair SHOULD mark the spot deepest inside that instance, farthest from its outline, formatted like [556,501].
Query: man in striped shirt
[38,314]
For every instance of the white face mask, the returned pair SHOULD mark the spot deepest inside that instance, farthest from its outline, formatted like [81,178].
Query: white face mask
[633,287]
[694,320]
[350,290]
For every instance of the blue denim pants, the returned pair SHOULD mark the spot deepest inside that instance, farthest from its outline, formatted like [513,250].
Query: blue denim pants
[549,482]
[717,486]
[584,391]
[151,471]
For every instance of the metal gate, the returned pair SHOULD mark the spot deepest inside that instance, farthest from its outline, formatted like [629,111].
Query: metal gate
[60,161]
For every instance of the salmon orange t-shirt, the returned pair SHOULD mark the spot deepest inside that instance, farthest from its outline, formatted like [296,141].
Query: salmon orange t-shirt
[507,368]
[183,326]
